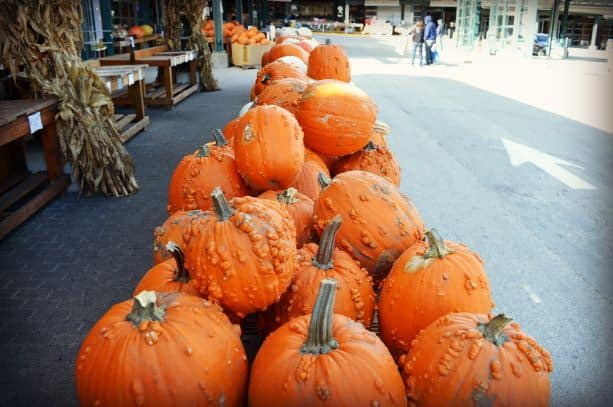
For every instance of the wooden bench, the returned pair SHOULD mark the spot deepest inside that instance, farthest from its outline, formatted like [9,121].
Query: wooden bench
[169,94]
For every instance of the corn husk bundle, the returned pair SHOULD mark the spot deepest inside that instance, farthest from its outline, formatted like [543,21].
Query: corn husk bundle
[46,37]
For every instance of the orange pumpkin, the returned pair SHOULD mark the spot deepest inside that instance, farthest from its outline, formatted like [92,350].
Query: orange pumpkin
[136,31]
[324,359]
[307,181]
[379,222]
[162,349]
[328,61]
[197,174]
[284,50]
[337,118]
[376,159]
[285,93]
[299,207]
[275,71]
[243,258]
[168,276]
[466,359]
[179,228]
[229,131]
[265,59]
[355,295]
[442,277]
[269,148]
[380,133]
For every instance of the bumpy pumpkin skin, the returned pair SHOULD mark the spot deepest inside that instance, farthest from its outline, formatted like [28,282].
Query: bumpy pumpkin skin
[287,49]
[193,357]
[197,174]
[178,228]
[376,159]
[269,148]
[437,286]
[274,71]
[285,93]
[328,61]
[452,364]
[161,278]
[337,118]
[379,222]
[245,262]
[306,182]
[299,207]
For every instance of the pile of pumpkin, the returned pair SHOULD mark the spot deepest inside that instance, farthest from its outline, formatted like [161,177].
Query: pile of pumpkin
[236,32]
[294,214]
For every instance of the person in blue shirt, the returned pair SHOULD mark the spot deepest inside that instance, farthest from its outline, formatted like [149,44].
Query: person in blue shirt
[429,38]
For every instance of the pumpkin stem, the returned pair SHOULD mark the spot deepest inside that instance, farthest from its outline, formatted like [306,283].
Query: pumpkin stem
[145,309]
[382,127]
[328,41]
[370,146]
[219,138]
[203,151]
[323,259]
[492,331]
[320,340]
[323,181]
[288,196]
[181,275]
[222,208]
[436,246]
[266,78]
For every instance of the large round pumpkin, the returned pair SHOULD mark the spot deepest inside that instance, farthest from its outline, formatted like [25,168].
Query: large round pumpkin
[162,349]
[372,158]
[197,174]
[337,118]
[329,61]
[324,359]
[274,71]
[379,222]
[243,258]
[177,228]
[285,93]
[299,207]
[465,359]
[442,277]
[307,181]
[355,295]
[269,148]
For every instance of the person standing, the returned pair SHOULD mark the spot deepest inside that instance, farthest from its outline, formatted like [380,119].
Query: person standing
[440,31]
[417,37]
[429,38]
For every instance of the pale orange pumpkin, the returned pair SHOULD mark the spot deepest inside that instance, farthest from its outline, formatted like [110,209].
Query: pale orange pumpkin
[299,207]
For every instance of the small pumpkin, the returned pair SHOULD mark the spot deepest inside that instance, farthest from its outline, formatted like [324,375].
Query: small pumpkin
[466,359]
[245,256]
[337,118]
[274,71]
[329,61]
[285,93]
[442,277]
[379,222]
[299,207]
[136,31]
[162,349]
[324,359]
[179,228]
[269,148]
[355,295]
[265,58]
[229,131]
[197,174]
[307,181]
[372,158]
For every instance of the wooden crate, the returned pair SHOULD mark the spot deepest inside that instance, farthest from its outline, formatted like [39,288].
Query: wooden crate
[248,55]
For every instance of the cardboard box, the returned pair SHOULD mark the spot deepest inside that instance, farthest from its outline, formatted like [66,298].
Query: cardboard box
[248,55]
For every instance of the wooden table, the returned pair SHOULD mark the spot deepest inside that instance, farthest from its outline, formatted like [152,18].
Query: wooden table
[127,82]
[170,93]
[21,192]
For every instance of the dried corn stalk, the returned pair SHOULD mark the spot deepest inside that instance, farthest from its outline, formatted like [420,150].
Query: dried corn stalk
[45,36]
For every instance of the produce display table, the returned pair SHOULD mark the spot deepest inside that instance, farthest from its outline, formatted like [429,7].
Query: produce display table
[128,83]
[21,192]
[170,93]
[149,40]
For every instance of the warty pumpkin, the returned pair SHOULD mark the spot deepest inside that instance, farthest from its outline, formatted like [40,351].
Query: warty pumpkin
[307,181]
[324,359]
[245,256]
[329,61]
[379,222]
[337,118]
[162,349]
[378,160]
[466,359]
[294,61]
[229,131]
[441,277]
[355,297]
[178,228]
[299,207]
[285,93]
[269,148]
[197,174]
[274,71]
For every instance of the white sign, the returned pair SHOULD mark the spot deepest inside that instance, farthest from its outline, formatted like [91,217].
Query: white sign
[130,79]
[35,122]
[119,83]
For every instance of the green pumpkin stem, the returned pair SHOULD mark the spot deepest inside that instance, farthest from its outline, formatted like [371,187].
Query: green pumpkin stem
[145,308]
[323,180]
[221,206]
[436,246]
[370,146]
[182,276]
[288,196]
[219,138]
[203,151]
[320,340]
[492,331]
[323,259]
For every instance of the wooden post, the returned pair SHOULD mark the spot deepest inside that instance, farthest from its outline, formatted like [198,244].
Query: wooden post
[218,18]
[250,11]
[51,147]
[239,11]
